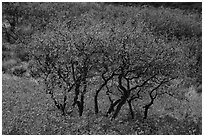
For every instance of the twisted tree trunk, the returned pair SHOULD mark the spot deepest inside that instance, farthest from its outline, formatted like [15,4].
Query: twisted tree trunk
[121,103]
[119,106]
[112,106]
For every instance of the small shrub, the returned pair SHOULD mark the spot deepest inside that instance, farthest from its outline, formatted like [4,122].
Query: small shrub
[18,71]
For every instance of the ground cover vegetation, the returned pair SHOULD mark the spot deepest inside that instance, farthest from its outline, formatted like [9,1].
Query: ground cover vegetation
[101,68]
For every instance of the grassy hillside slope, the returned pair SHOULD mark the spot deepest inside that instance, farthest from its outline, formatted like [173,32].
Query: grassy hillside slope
[28,110]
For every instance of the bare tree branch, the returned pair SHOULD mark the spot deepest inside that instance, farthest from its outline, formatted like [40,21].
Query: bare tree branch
[135,87]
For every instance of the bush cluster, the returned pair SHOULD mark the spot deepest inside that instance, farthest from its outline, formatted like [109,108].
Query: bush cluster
[128,54]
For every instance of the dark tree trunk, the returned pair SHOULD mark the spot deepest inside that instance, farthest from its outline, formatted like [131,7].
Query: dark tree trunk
[96,96]
[100,88]
[64,105]
[76,94]
[81,109]
[58,105]
[111,108]
[146,112]
[81,106]
[119,106]
[126,94]
[131,109]
[147,107]
[96,103]
[62,109]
